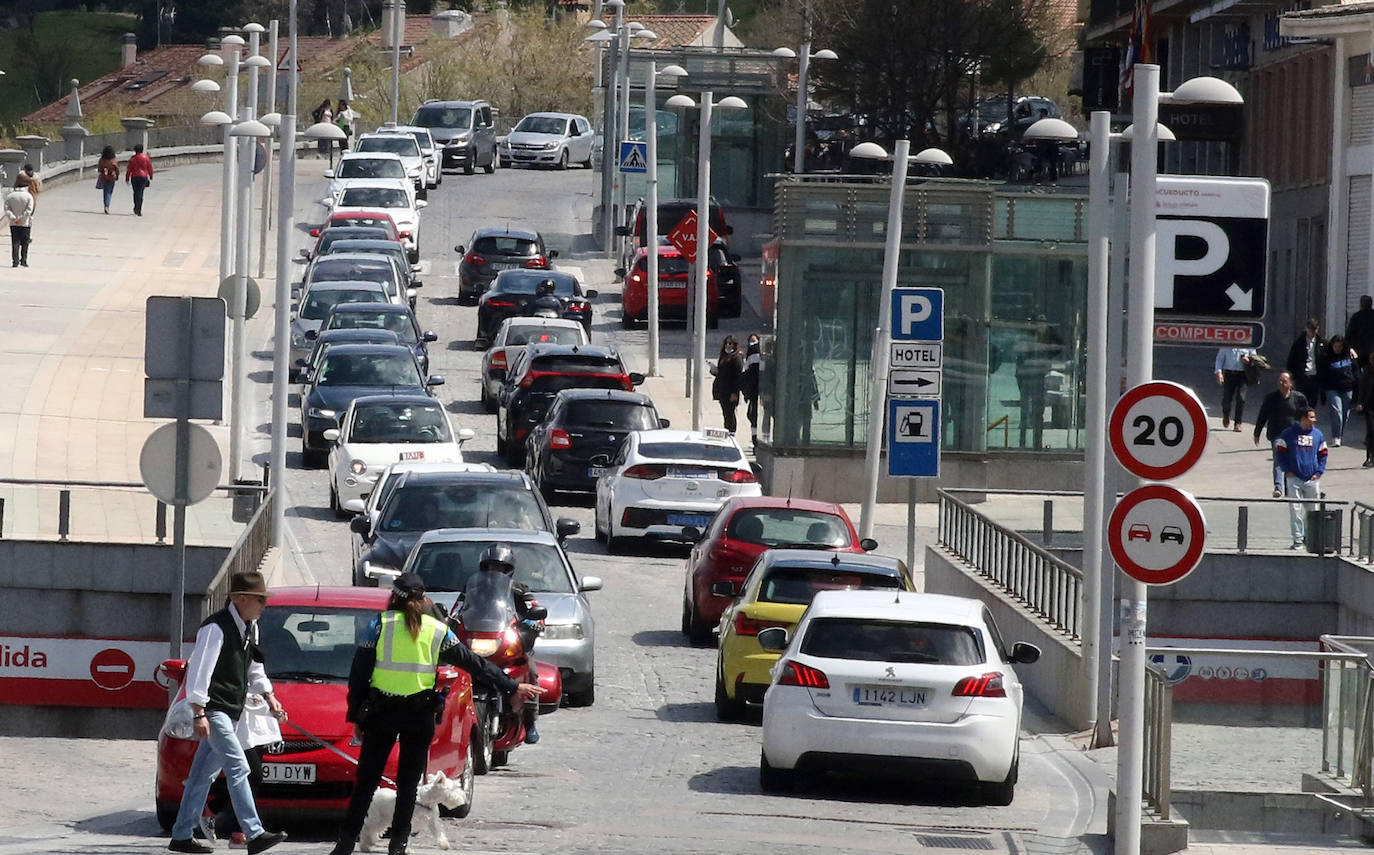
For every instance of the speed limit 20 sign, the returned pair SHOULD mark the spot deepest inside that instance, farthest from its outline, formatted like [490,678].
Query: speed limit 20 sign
[1158,430]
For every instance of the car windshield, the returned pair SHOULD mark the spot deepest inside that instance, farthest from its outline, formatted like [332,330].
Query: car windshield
[396,322]
[784,527]
[424,506]
[668,265]
[374,197]
[611,415]
[522,284]
[370,167]
[453,118]
[797,585]
[399,422]
[329,237]
[319,301]
[423,140]
[447,565]
[322,345]
[576,362]
[500,245]
[892,641]
[390,248]
[402,144]
[544,335]
[311,643]
[351,270]
[542,125]
[369,369]
[691,451]
[547,384]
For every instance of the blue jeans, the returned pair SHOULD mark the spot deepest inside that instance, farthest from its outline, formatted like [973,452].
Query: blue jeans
[107,192]
[1339,406]
[220,751]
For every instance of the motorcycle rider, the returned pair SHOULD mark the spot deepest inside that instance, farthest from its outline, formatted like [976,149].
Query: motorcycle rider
[499,558]
[546,303]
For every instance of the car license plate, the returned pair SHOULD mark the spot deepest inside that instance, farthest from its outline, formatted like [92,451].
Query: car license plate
[890,696]
[504,265]
[412,455]
[288,773]
[698,520]
[690,472]
[665,286]
[596,471]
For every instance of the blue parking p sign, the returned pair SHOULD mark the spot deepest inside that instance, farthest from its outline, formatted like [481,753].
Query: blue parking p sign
[913,438]
[918,314]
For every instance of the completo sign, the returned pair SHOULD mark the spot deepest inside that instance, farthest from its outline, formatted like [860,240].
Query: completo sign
[81,672]
[1205,332]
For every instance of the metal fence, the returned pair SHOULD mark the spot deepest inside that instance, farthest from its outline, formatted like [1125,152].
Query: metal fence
[1044,583]
[1159,739]
[1362,532]
[247,552]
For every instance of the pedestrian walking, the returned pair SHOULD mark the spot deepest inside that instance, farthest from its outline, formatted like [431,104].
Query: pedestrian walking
[728,372]
[224,667]
[1364,403]
[1301,450]
[257,726]
[391,697]
[19,207]
[1302,360]
[1278,410]
[1337,374]
[749,384]
[1229,367]
[139,174]
[107,175]
[345,118]
[323,114]
[1359,331]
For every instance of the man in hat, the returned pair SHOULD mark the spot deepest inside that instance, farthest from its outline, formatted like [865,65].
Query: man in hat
[224,667]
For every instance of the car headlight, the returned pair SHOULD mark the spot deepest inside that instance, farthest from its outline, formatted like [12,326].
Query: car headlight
[321,413]
[357,467]
[484,646]
[548,146]
[563,631]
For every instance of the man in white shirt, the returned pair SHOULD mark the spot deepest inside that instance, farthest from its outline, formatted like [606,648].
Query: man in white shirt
[19,204]
[1230,370]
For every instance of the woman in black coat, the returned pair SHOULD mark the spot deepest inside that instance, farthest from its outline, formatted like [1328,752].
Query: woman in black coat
[749,384]
[726,387]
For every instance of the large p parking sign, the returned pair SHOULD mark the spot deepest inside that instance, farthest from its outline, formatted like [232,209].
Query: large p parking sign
[1213,240]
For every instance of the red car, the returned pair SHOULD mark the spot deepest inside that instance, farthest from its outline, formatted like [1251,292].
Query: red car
[377,219]
[674,274]
[308,636]
[740,532]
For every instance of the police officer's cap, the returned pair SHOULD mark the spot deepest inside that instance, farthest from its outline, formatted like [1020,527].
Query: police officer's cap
[409,585]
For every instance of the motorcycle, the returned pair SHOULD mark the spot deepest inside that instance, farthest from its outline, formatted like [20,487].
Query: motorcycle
[485,619]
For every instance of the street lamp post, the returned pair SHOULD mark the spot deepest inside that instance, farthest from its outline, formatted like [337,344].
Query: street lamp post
[706,104]
[610,36]
[651,198]
[803,57]
[281,338]
[398,17]
[273,120]
[881,356]
[231,100]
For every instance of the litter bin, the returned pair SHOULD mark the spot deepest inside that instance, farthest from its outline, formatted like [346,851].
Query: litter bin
[246,501]
[1323,532]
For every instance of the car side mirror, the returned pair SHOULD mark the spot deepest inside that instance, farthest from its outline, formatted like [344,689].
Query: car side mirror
[536,613]
[868,544]
[354,506]
[301,363]
[410,293]
[590,583]
[430,336]
[314,232]
[360,525]
[332,434]
[415,268]
[622,231]
[460,249]
[312,335]
[468,434]
[329,173]
[773,639]
[722,589]
[691,532]
[591,293]
[636,378]
[435,380]
[421,203]
[305,253]
[567,527]
[663,423]
[620,273]
[1024,653]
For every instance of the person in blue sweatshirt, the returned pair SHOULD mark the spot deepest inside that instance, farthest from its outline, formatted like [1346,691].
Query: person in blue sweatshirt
[1301,451]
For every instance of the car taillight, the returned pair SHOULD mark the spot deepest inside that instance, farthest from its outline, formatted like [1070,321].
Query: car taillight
[558,438]
[627,384]
[745,625]
[474,258]
[986,686]
[521,433]
[738,476]
[501,304]
[498,360]
[540,263]
[646,472]
[638,277]
[797,674]
[403,235]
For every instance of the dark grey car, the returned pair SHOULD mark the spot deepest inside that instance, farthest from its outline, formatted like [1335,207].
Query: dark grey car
[463,130]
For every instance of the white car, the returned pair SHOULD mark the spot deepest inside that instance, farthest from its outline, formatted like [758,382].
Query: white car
[662,481]
[402,145]
[919,683]
[434,176]
[362,166]
[548,139]
[391,196]
[378,430]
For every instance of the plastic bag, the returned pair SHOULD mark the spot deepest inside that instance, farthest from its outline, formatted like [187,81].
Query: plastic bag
[180,723]
[257,725]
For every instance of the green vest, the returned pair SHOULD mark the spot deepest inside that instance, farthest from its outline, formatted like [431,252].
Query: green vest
[406,665]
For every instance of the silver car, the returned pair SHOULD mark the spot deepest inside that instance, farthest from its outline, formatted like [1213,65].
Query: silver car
[549,139]
[434,176]
[447,557]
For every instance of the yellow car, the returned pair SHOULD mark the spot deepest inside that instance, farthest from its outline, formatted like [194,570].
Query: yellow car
[777,592]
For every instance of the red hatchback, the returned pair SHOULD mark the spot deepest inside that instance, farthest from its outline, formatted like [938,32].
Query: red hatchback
[674,274]
[741,531]
[308,636]
[371,219]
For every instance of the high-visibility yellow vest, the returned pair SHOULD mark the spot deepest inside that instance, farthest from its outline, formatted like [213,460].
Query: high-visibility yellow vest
[406,665]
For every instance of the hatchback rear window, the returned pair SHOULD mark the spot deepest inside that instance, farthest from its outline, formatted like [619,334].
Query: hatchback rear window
[374,197]
[672,265]
[318,303]
[573,362]
[691,451]
[562,287]
[506,246]
[551,383]
[784,527]
[544,335]
[892,641]
[402,144]
[798,585]
[610,415]
[371,167]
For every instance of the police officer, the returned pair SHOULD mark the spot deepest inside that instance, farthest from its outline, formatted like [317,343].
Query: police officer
[391,696]
[498,558]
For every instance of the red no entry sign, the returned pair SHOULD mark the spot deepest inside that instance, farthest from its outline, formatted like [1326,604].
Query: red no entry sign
[112,669]
[1157,534]
[1158,430]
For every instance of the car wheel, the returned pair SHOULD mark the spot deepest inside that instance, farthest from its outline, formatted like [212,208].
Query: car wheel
[467,780]
[727,708]
[598,533]
[588,162]
[471,166]
[563,160]
[627,321]
[505,164]
[773,779]
[487,403]
[546,491]
[310,457]
[699,632]
[580,691]
[482,742]
[499,759]
[167,814]
[335,505]
[1000,793]
[614,545]
[490,167]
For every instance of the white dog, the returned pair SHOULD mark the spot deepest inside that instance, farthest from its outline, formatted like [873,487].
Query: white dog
[434,790]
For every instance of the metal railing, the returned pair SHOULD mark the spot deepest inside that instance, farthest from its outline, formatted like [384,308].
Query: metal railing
[1362,532]
[1044,583]
[247,552]
[1159,739]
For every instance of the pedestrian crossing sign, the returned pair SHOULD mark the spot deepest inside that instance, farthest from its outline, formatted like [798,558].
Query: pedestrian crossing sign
[634,156]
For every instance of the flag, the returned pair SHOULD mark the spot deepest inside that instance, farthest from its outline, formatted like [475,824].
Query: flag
[1139,45]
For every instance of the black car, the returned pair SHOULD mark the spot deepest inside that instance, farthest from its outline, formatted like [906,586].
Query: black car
[545,370]
[337,233]
[580,424]
[512,295]
[350,371]
[494,249]
[382,247]
[326,339]
[384,316]
[422,501]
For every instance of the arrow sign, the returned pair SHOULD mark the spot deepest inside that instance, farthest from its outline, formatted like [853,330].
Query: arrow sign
[1241,300]
[913,383]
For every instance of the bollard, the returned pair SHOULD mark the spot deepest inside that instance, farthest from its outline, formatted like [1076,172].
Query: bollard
[10,161]
[64,514]
[2,519]
[160,523]
[1047,525]
[136,132]
[1242,527]
[33,146]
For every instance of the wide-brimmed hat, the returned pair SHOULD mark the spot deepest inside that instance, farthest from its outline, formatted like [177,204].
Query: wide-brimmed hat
[249,582]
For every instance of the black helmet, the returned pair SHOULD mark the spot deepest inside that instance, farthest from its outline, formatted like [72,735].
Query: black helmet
[498,557]
[545,286]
